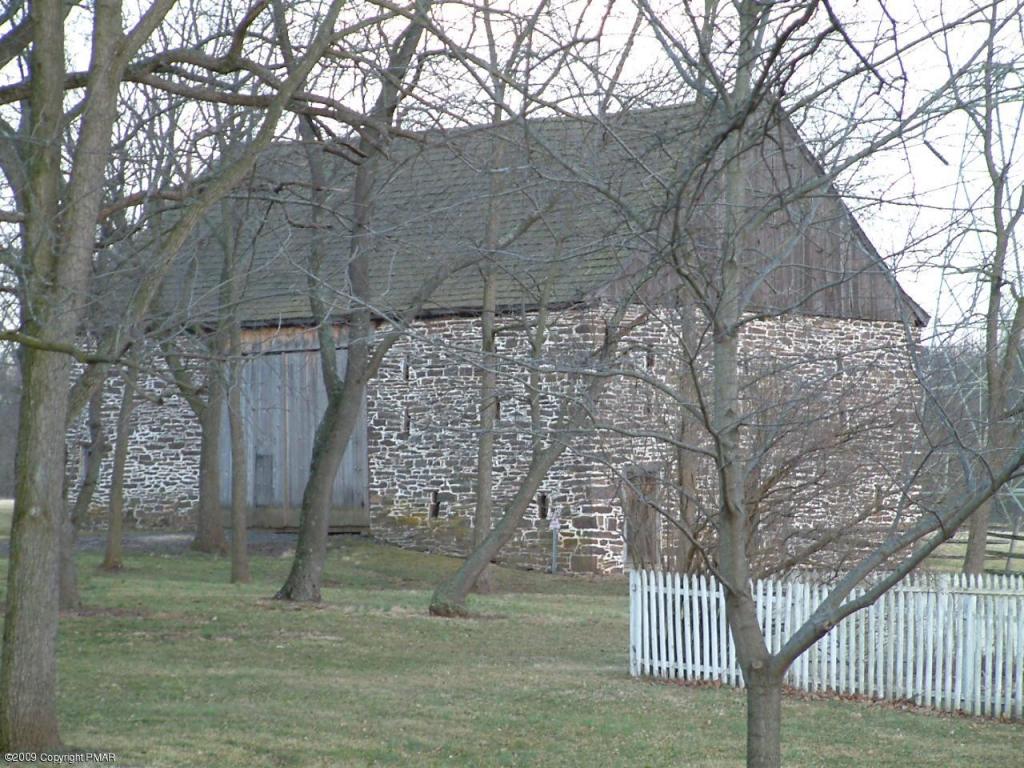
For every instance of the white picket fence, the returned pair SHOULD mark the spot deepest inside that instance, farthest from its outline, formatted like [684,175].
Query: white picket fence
[946,641]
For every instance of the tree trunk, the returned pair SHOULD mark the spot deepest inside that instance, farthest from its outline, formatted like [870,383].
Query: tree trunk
[488,409]
[332,436]
[977,539]
[28,663]
[449,599]
[113,559]
[239,473]
[70,600]
[209,526]
[345,397]
[686,460]
[764,720]
[643,543]
[28,672]
[686,480]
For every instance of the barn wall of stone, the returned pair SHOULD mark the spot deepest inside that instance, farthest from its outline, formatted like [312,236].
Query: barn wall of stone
[423,437]
[161,485]
[422,422]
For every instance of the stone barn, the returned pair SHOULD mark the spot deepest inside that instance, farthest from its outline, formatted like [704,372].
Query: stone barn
[569,216]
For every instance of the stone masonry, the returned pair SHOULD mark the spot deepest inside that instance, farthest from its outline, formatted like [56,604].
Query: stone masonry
[422,420]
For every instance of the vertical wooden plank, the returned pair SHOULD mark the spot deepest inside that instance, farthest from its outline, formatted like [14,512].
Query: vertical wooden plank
[944,675]
[808,655]
[900,607]
[888,631]
[287,389]
[279,390]
[1018,643]
[715,617]
[970,648]
[645,651]
[300,426]
[833,658]
[930,630]
[1013,660]
[801,662]
[844,654]
[781,609]
[822,672]
[812,652]
[987,655]
[677,621]
[979,651]
[634,624]
[980,654]
[656,626]
[996,676]
[652,624]
[919,647]
[959,605]
[705,625]
[913,649]
[823,647]
[873,643]
[857,650]
[688,627]
[659,580]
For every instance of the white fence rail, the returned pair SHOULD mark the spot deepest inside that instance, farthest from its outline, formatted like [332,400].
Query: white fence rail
[950,642]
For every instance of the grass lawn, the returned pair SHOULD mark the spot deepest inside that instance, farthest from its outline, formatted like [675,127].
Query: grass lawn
[951,556]
[171,666]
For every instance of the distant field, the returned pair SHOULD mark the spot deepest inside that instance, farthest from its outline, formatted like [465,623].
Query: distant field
[950,556]
[6,510]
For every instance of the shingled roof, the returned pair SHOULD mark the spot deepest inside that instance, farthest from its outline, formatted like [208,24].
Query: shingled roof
[580,204]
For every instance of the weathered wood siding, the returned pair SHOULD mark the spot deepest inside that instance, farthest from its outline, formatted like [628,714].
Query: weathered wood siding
[810,255]
[283,399]
[801,249]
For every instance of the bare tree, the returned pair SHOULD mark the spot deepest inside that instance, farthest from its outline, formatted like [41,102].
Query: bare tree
[57,212]
[990,100]
[738,208]
[113,558]
[92,458]
[714,239]
[345,391]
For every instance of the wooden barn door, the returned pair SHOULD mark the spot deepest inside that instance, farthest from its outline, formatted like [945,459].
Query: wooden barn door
[282,401]
[643,529]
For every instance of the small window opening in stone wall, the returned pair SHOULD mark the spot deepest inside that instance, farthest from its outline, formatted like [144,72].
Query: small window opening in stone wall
[650,358]
[542,506]
[405,368]
[497,409]
[435,504]
[406,422]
